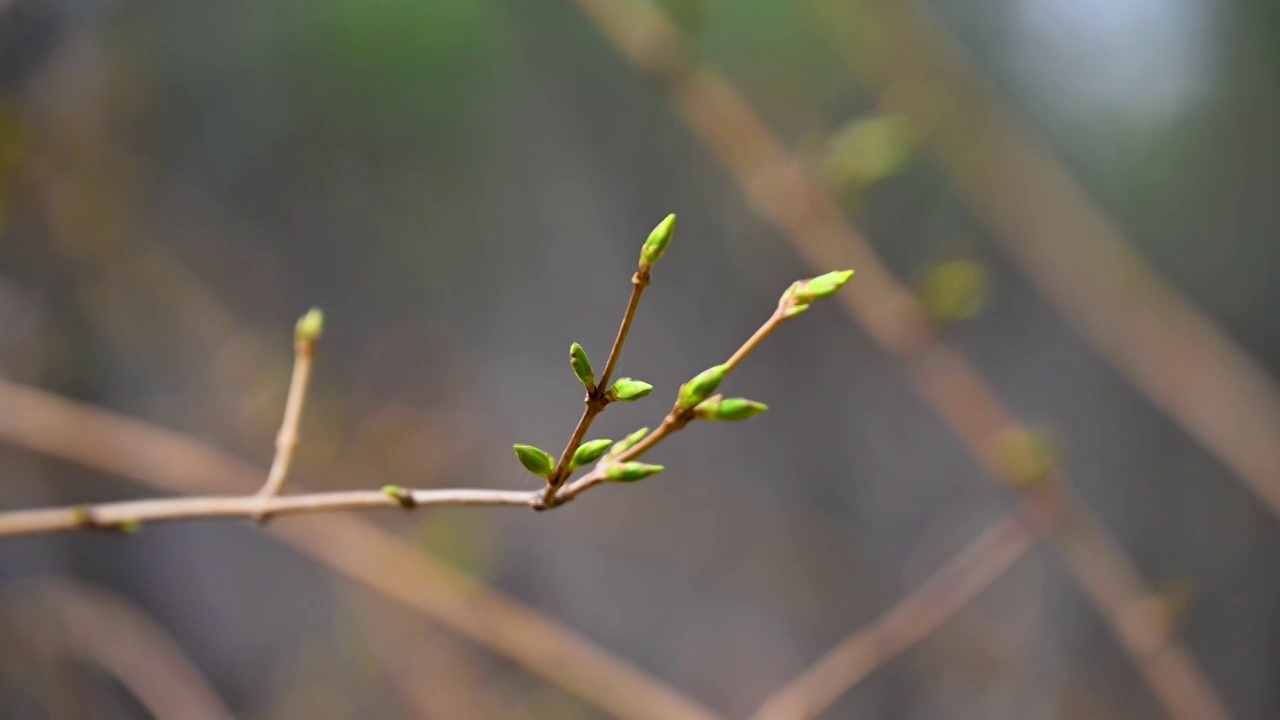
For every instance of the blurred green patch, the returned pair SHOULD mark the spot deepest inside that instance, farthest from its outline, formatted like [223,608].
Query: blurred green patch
[1027,456]
[867,151]
[690,15]
[463,539]
[14,139]
[954,290]
[362,55]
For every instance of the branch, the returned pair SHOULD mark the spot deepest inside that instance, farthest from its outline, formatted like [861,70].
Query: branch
[306,335]
[130,516]
[349,545]
[597,393]
[911,620]
[782,192]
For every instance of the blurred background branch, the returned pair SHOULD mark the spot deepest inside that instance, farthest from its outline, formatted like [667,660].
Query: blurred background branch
[1077,256]
[63,616]
[782,192]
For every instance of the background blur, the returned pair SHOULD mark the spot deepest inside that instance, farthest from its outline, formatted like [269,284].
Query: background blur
[463,186]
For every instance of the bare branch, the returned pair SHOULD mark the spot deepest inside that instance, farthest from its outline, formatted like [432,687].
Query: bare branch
[306,336]
[911,620]
[349,545]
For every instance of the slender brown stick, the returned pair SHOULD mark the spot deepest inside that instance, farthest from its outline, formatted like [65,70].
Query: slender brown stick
[124,516]
[783,193]
[103,629]
[349,545]
[1077,256]
[595,401]
[910,620]
[131,514]
[287,440]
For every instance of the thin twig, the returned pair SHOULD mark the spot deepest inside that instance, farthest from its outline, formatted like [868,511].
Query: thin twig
[781,191]
[353,547]
[595,401]
[1077,256]
[127,515]
[910,620]
[130,515]
[304,353]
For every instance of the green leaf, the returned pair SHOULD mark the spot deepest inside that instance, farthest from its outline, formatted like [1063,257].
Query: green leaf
[632,471]
[590,452]
[628,390]
[628,442]
[310,326]
[658,240]
[582,366]
[534,460]
[729,409]
[702,385]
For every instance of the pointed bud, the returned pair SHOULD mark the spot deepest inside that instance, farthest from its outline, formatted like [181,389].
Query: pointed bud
[310,326]
[534,460]
[823,286]
[632,471]
[702,385]
[628,442]
[582,366]
[729,409]
[628,390]
[657,242]
[590,452]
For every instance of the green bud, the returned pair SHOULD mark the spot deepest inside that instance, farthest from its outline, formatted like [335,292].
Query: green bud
[590,452]
[628,442]
[310,326]
[399,494]
[582,366]
[632,471]
[702,385]
[628,390]
[823,286]
[534,460]
[131,527]
[729,409]
[658,241]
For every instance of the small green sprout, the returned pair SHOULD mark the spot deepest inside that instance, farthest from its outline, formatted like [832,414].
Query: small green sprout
[582,367]
[632,471]
[590,452]
[628,390]
[534,460]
